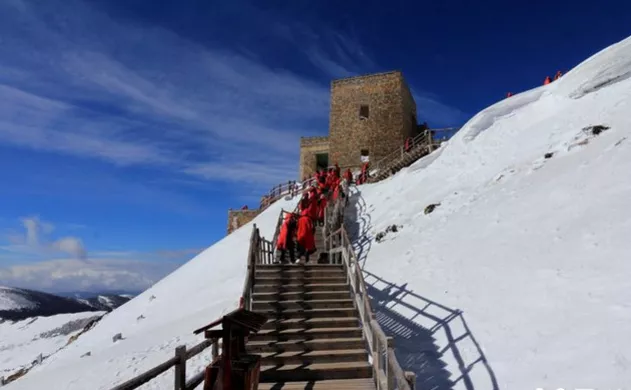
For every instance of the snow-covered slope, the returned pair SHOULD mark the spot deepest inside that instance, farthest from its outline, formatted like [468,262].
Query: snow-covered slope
[155,322]
[18,304]
[21,342]
[105,302]
[535,251]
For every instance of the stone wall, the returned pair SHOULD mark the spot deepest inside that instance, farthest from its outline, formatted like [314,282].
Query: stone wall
[238,218]
[309,147]
[391,117]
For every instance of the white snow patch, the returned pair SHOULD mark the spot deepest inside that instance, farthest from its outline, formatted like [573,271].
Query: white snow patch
[10,299]
[22,341]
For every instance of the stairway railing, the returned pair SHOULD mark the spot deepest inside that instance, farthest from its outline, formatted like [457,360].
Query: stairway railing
[425,140]
[261,252]
[179,362]
[387,371]
[292,188]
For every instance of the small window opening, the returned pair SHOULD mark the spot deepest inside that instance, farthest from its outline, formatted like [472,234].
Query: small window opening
[364,111]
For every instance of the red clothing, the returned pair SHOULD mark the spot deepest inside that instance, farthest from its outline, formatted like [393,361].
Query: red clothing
[321,208]
[312,210]
[304,236]
[547,81]
[286,232]
[348,175]
[558,75]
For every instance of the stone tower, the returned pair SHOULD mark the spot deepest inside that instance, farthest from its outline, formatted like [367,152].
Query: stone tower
[370,117]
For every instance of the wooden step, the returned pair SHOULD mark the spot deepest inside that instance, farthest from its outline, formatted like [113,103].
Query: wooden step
[312,357]
[300,271]
[300,287]
[311,323]
[300,295]
[342,384]
[303,305]
[318,371]
[294,266]
[307,314]
[299,278]
[306,334]
[306,345]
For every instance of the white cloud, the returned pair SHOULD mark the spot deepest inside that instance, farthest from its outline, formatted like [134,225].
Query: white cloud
[36,240]
[70,245]
[77,275]
[172,104]
[78,82]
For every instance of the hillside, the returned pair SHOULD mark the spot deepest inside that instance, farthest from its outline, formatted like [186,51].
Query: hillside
[535,251]
[156,321]
[22,342]
[18,304]
[105,302]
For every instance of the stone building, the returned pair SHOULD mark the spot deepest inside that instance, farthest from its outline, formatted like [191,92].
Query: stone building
[238,218]
[371,116]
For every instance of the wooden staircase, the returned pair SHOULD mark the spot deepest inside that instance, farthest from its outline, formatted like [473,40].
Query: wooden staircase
[312,339]
[406,159]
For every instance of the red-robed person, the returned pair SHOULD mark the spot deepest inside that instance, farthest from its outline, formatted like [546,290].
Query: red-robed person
[305,236]
[336,191]
[321,209]
[312,207]
[348,175]
[286,236]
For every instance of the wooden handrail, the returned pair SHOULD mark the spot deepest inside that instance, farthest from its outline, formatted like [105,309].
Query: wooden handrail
[179,362]
[387,371]
[423,139]
[292,188]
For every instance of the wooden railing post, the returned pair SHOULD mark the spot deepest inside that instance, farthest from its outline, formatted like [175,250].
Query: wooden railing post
[410,377]
[180,368]
[389,373]
[214,349]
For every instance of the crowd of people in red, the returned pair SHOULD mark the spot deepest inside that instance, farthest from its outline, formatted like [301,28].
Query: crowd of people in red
[297,232]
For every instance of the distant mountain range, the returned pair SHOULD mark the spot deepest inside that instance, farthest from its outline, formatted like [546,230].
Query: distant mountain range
[17,304]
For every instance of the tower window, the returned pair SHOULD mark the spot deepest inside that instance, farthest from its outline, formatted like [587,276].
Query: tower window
[363,111]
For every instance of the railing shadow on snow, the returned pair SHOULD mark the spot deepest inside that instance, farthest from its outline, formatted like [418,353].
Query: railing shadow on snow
[358,224]
[416,323]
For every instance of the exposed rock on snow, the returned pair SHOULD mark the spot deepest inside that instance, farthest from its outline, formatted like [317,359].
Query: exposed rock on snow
[430,208]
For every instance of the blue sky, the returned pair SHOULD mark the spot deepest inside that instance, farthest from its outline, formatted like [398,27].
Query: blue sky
[129,127]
